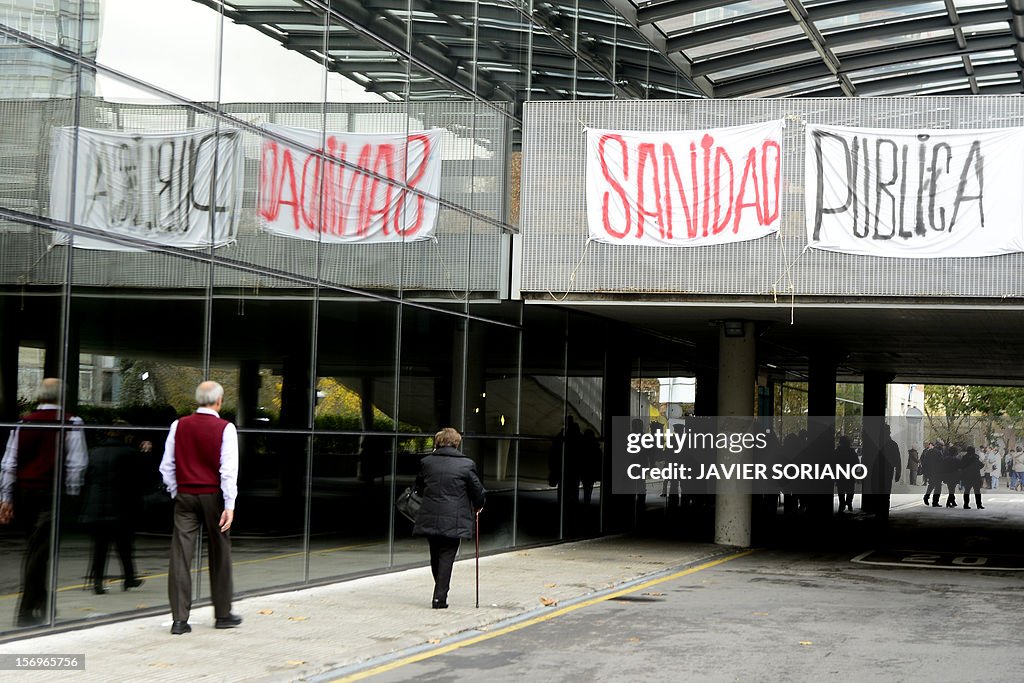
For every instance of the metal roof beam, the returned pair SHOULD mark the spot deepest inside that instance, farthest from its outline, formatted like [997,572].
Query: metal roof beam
[737,29]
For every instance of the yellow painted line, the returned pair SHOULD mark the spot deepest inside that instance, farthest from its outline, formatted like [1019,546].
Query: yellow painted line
[445,649]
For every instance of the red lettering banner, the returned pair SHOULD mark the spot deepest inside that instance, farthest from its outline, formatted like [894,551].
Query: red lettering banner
[315,196]
[684,188]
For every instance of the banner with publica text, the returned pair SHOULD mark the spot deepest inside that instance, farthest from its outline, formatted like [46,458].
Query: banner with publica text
[313,196]
[915,193]
[177,189]
[684,188]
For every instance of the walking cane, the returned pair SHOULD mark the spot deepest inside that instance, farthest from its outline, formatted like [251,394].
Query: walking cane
[478,559]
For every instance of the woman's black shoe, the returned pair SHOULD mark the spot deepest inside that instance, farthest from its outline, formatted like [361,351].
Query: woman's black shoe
[134,583]
[437,604]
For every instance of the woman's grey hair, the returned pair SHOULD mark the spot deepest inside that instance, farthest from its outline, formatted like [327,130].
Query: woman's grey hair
[447,437]
[208,393]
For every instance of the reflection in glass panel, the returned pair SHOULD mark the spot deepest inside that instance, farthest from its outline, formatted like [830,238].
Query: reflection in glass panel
[141,44]
[35,98]
[268,534]
[431,386]
[30,73]
[256,67]
[495,463]
[261,348]
[582,432]
[542,406]
[30,350]
[351,505]
[356,370]
[137,357]
[552,68]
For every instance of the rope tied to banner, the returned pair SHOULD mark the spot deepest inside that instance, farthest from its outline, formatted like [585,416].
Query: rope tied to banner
[447,271]
[787,273]
[572,276]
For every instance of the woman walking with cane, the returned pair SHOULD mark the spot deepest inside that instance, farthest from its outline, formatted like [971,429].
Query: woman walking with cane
[452,496]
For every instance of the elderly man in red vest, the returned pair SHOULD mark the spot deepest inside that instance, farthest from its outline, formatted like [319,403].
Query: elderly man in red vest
[29,468]
[200,469]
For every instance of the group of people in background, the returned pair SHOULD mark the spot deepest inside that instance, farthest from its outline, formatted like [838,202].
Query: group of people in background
[965,469]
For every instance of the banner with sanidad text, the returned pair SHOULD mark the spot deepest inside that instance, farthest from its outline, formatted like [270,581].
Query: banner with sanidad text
[684,188]
[914,193]
[179,189]
[314,196]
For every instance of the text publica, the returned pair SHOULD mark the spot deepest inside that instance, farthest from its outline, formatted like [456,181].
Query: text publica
[899,187]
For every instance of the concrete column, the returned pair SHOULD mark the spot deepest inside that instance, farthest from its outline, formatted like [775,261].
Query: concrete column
[737,377]
[876,489]
[821,427]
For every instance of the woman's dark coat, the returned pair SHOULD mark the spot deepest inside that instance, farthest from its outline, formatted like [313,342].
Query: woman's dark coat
[452,492]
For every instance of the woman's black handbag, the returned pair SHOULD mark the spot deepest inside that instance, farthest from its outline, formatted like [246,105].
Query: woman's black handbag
[408,503]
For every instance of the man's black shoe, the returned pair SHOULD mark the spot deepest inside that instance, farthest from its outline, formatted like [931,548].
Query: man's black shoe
[179,627]
[230,621]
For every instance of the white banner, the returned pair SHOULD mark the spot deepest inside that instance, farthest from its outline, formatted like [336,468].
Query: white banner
[302,196]
[154,186]
[915,193]
[684,188]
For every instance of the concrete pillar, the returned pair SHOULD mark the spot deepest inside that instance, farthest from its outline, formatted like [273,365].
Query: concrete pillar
[821,427]
[876,491]
[737,377]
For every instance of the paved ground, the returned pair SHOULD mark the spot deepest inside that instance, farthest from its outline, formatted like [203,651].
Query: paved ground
[937,596]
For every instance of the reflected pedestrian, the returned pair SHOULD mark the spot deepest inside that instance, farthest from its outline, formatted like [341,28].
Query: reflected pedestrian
[112,503]
[29,468]
[453,496]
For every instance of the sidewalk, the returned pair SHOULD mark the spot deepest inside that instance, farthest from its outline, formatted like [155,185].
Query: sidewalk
[303,634]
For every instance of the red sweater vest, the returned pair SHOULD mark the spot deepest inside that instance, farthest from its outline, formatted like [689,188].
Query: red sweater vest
[37,450]
[197,442]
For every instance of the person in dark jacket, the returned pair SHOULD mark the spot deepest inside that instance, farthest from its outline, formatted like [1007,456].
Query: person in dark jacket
[113,500]
[931,468]
[949,467]
[845,455]
[970,475]
[453,495]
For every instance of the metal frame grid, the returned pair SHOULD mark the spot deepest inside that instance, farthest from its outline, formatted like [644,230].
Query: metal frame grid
[557,259]
[466,256]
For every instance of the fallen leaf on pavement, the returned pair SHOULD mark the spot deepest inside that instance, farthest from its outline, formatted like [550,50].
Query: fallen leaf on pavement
[548,602]
[297,618]
[296,662]
[434,641]
[760,614]
[265,611]
[550,585]
[806,642]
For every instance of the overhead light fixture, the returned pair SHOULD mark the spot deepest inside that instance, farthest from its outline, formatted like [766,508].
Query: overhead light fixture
[733,328]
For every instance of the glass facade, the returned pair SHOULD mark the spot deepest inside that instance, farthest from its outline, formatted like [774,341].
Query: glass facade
[237,191]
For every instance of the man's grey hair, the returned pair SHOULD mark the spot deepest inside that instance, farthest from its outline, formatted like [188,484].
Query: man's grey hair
[49,390]
[208,393]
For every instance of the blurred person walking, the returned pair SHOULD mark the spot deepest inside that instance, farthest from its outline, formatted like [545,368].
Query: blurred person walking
[27,475]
